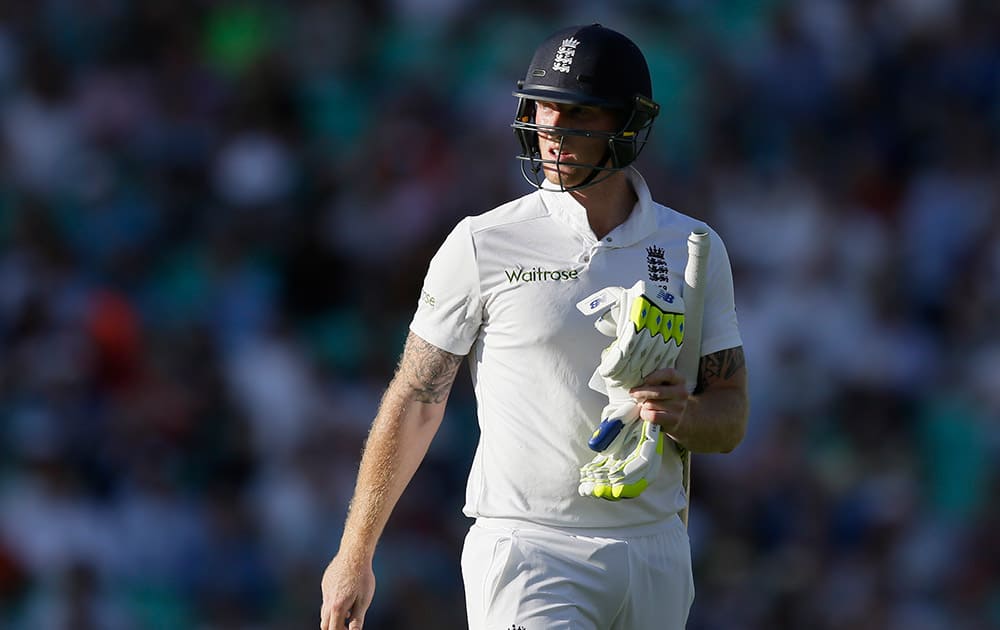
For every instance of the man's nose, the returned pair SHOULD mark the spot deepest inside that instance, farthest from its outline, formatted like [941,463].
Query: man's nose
[555,118]
[552,119]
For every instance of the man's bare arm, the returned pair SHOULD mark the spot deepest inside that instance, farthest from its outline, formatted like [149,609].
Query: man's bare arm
[713,419]
[429,371]
[722,368]
[408,418]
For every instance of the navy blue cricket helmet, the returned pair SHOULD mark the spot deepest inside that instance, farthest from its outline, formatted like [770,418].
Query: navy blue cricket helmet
[590,66]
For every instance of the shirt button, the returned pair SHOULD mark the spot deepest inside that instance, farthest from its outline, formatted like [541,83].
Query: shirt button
[608,239]
[586,258]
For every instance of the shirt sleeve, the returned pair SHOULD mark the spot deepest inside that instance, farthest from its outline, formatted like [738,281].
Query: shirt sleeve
[720,329]
[449,310]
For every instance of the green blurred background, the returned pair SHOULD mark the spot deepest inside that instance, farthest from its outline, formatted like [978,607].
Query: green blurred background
[214,221]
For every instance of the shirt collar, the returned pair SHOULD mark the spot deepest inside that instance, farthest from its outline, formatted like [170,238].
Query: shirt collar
[639,224]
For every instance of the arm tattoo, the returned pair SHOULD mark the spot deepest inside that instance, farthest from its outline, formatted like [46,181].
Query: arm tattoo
[428,370]
[721,365]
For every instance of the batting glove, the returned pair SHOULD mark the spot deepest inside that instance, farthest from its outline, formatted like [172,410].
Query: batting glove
[623,471]
[648,330]
[647,327]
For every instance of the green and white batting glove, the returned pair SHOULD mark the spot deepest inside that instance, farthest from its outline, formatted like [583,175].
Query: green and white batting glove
[595,475]
[647,325]
[623,470]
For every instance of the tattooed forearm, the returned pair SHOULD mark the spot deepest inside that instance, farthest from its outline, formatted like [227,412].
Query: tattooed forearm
[428,370]
[719,366]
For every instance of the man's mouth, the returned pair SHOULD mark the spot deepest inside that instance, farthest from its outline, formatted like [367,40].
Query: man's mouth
[562,156]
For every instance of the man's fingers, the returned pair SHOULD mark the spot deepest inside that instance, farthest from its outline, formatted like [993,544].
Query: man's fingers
[667,415]
[327,620]
[334,617]
[659,394]
[652,408]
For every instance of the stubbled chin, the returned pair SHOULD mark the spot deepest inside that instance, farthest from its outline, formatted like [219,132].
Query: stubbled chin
[566,181]
[569,174]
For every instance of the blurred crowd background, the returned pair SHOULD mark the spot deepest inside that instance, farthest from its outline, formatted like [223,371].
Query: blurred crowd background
[215,216]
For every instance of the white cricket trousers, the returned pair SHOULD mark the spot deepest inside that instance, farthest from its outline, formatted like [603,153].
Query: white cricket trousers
[521,576]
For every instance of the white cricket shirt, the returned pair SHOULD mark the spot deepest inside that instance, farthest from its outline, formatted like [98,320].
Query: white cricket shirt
[503,288]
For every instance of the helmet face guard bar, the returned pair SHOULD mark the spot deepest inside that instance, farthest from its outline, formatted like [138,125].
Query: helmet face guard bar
[623,146]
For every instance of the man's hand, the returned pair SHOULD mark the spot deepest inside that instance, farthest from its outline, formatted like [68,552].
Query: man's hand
[662,398]
[348,587]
